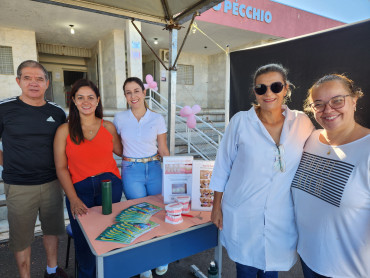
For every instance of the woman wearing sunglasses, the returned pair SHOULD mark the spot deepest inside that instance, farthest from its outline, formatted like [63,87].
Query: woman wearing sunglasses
[255,165]
[331,189]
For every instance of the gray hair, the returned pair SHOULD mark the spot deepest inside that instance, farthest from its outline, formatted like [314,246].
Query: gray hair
[31,64]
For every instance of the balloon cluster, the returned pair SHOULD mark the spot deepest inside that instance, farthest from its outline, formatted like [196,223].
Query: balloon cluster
[189,113]
[150,83]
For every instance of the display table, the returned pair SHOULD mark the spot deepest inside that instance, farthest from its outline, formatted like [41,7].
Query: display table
[162,245]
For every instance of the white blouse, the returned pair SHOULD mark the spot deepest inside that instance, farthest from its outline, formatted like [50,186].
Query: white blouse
[258,216]
[331,192]
[139,138]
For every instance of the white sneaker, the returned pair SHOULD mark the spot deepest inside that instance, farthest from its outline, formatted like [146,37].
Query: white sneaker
[146,274]
[160,270]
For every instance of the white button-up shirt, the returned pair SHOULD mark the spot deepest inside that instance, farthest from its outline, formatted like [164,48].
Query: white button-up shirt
[258,217]
[139,138]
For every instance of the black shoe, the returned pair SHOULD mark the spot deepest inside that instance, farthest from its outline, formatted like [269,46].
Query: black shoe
[60,273]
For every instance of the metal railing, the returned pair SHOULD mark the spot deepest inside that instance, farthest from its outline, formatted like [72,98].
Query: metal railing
[203,140]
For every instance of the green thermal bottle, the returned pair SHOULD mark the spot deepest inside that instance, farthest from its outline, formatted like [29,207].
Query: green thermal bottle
[106,188]
[212,270]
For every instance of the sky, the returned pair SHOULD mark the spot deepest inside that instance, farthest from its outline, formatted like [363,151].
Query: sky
[347,11]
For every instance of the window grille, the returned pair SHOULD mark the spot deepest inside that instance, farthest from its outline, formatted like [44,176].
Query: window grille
[185,74]
[6,60]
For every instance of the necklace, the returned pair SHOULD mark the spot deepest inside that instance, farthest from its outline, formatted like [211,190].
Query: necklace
[343,140]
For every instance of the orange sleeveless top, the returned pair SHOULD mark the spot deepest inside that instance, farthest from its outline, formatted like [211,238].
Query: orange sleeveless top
[93,157]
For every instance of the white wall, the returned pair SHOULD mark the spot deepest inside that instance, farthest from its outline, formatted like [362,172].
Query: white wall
[216,81]
[113,69]
[209,80]
[188,94]
[23,45]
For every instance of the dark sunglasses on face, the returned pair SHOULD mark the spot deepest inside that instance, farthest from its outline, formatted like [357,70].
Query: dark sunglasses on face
[275,87]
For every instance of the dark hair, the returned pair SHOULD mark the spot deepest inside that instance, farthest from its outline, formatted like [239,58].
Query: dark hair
[274,68]
[348,84]
[31,64]
[137,81]
[74,121]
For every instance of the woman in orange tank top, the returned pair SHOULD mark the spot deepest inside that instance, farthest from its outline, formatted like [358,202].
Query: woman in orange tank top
[83,154]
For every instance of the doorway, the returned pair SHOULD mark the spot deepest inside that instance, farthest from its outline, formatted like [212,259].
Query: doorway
[70,77]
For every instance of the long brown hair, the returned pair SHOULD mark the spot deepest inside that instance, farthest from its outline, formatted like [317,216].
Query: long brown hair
[74,121]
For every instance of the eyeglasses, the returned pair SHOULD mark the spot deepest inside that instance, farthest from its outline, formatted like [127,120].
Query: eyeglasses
[275,87]
[279,163]
[336,102]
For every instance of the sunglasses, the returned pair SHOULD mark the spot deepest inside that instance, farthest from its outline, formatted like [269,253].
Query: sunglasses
[275,87]
[279,163]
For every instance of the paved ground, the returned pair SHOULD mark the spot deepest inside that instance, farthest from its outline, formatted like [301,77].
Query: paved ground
[179,269]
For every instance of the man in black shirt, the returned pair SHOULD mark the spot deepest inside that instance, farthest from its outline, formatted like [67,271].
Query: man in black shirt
[27,127]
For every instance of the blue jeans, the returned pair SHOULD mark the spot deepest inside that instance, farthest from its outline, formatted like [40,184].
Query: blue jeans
[89,191]
[141,179]
[309,273]
[245,271]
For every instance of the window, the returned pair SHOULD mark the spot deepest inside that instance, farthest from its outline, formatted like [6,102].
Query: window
[185,74]
[6,60]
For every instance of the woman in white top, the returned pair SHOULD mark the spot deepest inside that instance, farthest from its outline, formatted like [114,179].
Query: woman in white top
[144,140]
[254,168]
[331,189]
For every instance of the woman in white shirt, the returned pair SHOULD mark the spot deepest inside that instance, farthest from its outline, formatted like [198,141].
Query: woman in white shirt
[254,168]
[144,140]
[331,189]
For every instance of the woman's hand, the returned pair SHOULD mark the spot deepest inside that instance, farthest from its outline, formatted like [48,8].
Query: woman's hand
[78,207]
[216,217]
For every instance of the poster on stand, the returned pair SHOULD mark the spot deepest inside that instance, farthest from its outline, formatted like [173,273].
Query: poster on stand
[202,195]
[177,177]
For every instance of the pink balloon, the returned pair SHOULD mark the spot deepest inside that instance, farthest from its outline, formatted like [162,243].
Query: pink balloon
[185,111]
[149,79]
[191,121]
[196,108]
[189,113]
[150,83]
[153,85]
